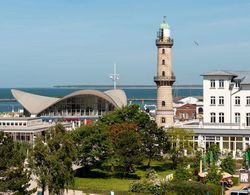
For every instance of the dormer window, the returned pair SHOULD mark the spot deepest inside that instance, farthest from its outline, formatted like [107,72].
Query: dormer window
[237,84]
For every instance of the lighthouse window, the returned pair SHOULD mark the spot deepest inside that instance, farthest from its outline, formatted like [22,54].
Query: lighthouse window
[163,103]
[163,62]
[163,73]
[163,51]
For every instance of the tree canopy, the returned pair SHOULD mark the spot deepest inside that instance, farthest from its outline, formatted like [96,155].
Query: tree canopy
[179,140]
[92,145]
[14,177]
[52,161]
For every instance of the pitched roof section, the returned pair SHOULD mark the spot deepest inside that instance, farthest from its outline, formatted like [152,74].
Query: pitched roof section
[218,73]
[35,104]
[32,102]
[244,76]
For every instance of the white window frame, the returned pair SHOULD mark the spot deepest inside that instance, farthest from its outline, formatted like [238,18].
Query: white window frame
[212,100]
[237,100]
[221,100]
[213,117]
[221,117]
[237,117]
[212,83]
[247,119]
[221,83]
[248,100]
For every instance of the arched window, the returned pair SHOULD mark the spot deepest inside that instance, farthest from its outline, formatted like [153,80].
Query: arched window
[163,103]
[200,110]
[163,120]
[163,73]
[163,62]
[163,51]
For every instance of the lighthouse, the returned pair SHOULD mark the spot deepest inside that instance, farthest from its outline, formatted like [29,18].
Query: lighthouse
[164,78]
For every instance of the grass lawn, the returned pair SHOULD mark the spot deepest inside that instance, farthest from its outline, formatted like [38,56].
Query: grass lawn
[100,180]
[103,183]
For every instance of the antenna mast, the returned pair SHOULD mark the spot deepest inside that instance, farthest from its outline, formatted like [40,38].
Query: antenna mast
[114,77]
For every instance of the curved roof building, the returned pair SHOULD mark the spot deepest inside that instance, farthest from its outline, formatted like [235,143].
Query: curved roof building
[81,104]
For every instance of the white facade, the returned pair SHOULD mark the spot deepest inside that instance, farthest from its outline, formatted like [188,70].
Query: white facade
[226,100]
[226,113]
[26,128]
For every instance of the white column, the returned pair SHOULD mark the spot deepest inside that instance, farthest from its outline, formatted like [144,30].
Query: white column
[244,143]
[221,143]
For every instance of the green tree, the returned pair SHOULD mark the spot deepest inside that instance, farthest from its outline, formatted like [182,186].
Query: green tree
[213,175]
[195,165]
[92,145]
[179,141]
[14,177]
[154,141]
[181,173]
[215,150]
[228,164]
[126,145]
[129,114]
[52,161]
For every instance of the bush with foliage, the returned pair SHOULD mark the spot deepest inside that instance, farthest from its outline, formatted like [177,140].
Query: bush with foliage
[215,150]
[182,173]
[150,184]
[179,141]
[228,164]
[213,176]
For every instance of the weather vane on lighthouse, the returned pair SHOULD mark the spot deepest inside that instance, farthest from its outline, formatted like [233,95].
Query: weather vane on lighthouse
[114,77]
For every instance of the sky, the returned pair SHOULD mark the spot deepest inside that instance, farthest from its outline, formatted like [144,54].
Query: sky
[76,42]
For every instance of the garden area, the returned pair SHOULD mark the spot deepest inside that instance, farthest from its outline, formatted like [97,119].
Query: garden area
[105,181]
[124,151]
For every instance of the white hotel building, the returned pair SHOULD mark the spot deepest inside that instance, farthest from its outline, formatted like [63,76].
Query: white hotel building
[226,117]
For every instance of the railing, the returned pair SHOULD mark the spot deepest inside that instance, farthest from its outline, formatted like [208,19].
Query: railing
[164,41]
[222,124]
[164,78]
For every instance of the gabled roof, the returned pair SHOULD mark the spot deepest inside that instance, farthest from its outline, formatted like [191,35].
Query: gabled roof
[35,104]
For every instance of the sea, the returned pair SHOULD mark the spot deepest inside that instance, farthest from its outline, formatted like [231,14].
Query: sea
[138,96]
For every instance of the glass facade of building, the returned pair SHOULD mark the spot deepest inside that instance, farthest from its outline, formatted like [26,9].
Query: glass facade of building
[80,105]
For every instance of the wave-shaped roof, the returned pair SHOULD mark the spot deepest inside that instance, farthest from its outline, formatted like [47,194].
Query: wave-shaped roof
[35,104]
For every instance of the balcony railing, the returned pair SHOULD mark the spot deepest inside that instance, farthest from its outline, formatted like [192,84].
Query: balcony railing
[164,78]
[163,41]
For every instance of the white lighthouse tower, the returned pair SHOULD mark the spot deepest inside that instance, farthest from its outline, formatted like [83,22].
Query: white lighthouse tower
[165,77]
